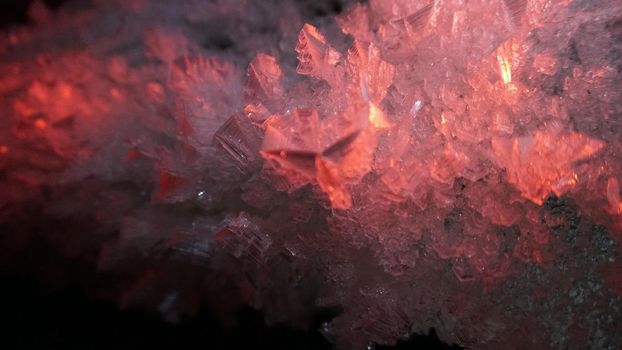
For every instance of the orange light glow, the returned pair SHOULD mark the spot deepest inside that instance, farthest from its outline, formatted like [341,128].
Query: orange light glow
[65,90]
[507,55]
[41,124]
[505,69]
[443,127]
[542,164]
[377,117]
[329,179]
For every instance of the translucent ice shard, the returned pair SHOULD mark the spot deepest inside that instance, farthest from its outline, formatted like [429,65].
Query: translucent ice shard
[404,28]
[542,164]
[330,180]
[298,131]
[449,165]
[372,76]
[316,58]
[332,166]
[295,147]
[264,80]
[257,113]
[242,238]
[292,143]
[354,153]
[240,140]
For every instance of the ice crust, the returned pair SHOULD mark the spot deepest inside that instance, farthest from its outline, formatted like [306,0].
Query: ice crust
[416,164]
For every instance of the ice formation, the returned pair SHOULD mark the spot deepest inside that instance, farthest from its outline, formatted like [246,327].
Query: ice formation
[442,164]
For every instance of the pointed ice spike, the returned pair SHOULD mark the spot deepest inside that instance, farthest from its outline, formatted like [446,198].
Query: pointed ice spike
[330,180]
[298,131]
[340,148]
[380,74]
[357,55]
[238,137]
[358,64]
[315,56]
[241,238]
[274,137]
[544,163]
[311,49]
[374,75]
[418,20]
[263,82]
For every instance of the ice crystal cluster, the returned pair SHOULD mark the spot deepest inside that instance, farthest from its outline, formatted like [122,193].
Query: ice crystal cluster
[414,164]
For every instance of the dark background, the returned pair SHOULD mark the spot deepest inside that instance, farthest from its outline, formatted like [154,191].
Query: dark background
[37,316]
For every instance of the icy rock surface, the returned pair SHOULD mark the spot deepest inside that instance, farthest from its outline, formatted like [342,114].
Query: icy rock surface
[415,164]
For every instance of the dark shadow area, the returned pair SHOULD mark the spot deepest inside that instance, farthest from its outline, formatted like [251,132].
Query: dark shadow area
[13,12]
[67,319]
[417,341]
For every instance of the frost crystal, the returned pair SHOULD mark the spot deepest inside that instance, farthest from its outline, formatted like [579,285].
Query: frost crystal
[415,164]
